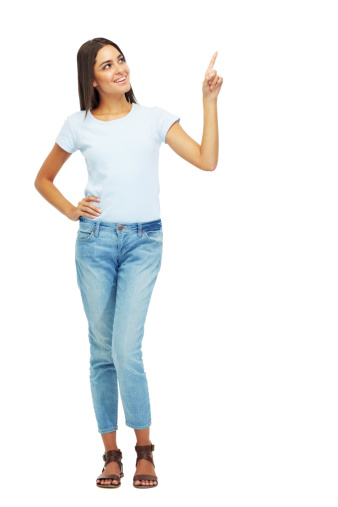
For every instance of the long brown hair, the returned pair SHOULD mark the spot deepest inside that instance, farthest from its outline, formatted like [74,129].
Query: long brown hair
[86,56]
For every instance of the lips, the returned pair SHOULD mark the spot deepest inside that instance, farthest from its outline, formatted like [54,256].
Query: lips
[125,77]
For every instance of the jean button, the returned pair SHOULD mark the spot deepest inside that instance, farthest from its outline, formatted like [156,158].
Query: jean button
[120,227]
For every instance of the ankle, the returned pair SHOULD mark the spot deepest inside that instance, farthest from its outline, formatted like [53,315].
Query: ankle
[143,442]
[111,448]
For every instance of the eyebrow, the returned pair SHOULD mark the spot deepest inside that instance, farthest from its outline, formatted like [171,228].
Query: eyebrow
[108,61]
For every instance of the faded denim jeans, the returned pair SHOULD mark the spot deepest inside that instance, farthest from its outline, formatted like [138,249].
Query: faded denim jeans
[117,266]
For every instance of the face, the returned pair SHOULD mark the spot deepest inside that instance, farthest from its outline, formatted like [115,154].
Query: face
[109,67]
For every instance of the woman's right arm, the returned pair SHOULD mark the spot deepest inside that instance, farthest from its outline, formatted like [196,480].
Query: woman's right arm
[45,186]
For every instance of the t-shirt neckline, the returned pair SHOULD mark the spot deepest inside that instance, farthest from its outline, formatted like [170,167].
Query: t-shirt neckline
[109,122]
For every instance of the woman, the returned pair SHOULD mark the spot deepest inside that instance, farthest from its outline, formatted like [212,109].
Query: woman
[119,242]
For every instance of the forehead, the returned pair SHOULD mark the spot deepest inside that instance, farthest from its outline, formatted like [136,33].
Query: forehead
[106,53]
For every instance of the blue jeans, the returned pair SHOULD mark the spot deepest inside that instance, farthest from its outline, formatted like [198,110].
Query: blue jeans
[117,266]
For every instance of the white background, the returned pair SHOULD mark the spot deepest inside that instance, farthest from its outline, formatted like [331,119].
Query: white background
[240,344]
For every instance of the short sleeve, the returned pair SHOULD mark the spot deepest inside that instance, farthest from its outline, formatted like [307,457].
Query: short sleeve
[66,137]
[163,120]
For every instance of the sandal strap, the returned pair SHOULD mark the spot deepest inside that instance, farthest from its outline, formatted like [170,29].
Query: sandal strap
[143,452]
[113,455]
[148,448]
[145,477]
[110,476]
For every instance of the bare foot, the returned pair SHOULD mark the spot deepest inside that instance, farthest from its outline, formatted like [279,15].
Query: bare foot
[111,468]
[145,467]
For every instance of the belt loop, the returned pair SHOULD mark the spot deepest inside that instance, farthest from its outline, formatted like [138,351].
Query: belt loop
[97,228]
[139,229]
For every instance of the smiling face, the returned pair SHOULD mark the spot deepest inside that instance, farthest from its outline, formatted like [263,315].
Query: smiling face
[109,67]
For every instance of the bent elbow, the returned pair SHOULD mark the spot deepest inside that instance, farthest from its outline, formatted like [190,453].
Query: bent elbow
[213,167]
[208,167]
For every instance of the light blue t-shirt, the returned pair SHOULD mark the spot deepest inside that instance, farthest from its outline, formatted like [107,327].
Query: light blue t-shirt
[122,158]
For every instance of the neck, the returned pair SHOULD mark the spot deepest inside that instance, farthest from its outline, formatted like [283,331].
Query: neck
[116,106]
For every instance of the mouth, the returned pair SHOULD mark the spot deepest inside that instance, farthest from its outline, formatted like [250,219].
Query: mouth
[121,80]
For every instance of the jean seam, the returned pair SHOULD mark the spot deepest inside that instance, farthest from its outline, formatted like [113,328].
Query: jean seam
[108,430]
[117,400]
[144,426]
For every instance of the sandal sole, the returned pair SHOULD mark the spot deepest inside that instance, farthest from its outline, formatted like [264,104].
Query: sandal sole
[144,487]
[108,486]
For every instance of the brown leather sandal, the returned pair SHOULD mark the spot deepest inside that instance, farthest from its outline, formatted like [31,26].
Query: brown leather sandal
[143,452]
[113,455]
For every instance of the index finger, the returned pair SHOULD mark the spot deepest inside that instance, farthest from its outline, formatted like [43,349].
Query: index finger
[212,61]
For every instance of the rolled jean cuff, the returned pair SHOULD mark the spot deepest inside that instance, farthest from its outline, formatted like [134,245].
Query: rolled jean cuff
[138,427]
[108,430]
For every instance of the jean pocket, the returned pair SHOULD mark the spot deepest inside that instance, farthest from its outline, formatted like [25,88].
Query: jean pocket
[154,235]
[84,234]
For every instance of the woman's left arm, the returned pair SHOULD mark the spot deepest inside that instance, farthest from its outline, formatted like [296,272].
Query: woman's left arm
[204,156]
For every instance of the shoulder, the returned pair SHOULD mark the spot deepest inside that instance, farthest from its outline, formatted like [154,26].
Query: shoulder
[77,118]
[163,114]
[156,114]
[142,110]
[145,110]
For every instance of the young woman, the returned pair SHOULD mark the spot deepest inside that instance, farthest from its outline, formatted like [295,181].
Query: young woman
[118,249]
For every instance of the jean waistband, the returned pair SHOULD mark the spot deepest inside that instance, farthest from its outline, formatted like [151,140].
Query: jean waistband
[126,225]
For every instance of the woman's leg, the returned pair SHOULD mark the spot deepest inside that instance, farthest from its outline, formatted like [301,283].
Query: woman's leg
[138,270]
[109,442]
[144,466]
[96,276]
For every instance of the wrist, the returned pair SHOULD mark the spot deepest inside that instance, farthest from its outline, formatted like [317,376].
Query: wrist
[70,210]
[207,100]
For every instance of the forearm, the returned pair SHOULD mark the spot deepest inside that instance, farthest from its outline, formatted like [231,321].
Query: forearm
[209,145]
[49,191]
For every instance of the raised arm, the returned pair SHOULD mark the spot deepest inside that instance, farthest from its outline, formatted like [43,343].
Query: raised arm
[204,155]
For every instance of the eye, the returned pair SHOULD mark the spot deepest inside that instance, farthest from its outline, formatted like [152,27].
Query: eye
[109,64]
